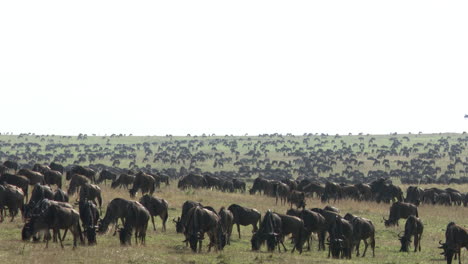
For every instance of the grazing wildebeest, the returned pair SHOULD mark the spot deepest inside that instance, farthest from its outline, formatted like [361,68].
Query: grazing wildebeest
[227,220]
[76,182]
[136,219]
[106,175]
[89,216]
[193,181]
[181,221]
[143,182]
[341,237]
[156,207]
[313,223]
[11,197]
[33,176]
[332,190]
[91,192]
[87,172]
[363,229]
[281,192]
[123,180]
[244,216]
[413,227]
[456,238]
[201,221]
[54,217]
[115,210]
[365,191]
[400,210]
[39,193]
[18,181]
[269,231]
[313,188]
[262,185]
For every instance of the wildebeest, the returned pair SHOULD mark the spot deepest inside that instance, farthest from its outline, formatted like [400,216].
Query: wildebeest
[60,196]
[313,223]
[181,222]
[238,185]
[54,217]
[413,227]
[295,226]
[281,192]
[106,175]
[340,239]
[400,210]
[33,176]
[193,181]
[87,172]
[115,210]
[89,216]
[244,216]
[201,221]
[91,192]
[18,181]
[385,191]
[227,221]
[332,190]
[11,165]
[76,182]
[269,231]
[297,198]
[363,229]
[156,207]
[57,167]
[39,193]
[262,185]
[414,195]
[144,183]
[456,238]
[313,188]
[11,197]
[53,177]
[136,219]
[123,180]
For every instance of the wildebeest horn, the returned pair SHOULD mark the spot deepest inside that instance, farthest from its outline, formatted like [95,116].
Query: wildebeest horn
[440,242]
[399,235]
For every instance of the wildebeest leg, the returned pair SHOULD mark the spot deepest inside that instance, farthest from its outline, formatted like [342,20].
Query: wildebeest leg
[358,244]
[152,220]
[60,239]
[419,242]
[281,241]
[238,229]
[366,244]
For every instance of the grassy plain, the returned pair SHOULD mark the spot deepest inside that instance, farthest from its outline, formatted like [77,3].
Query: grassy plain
[168,247]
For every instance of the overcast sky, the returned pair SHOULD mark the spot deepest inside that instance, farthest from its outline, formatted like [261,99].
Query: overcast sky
[233,67]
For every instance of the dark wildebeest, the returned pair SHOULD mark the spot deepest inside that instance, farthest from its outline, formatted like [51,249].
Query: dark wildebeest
[414,195]
[143,182]
[115,210]
[213,182]
[89,216]
[39,193]
[123,180]
[363,229]
[269,231]
[136,219]
[281,192]
[239,185]
[456,238]
[384,190]
[400,210]
[262,185]
[192,181]
[201,221]
[60,196]
[350,192]
[227,220]
[53,177]
[106,175]
[156,207]
[33,176]
[341,237]
[54,217]
[297,198]
[57,167]
[295,226]
[413,227]
[313,223]
[244,216]
[76,182]
[313,188]
[11,165]
[365,191]
[87,172]
[91,192]
[181,221]
[11,197]
[18,181]
[443,199]
[332,190]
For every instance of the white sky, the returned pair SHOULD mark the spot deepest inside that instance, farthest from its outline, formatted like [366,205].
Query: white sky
[233,67]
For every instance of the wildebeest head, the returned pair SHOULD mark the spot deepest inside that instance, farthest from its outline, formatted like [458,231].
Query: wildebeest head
[125,236]
[193,240]
[389,222]
[448,252]
[256,241]
[336,246]
[405,242]
[272,241]
[27,232]
[132,193]
[179,226]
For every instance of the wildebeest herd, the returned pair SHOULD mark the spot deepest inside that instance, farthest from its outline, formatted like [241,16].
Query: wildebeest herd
[50,208]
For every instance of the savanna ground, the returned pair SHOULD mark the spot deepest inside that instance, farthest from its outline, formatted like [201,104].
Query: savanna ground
[168,247]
